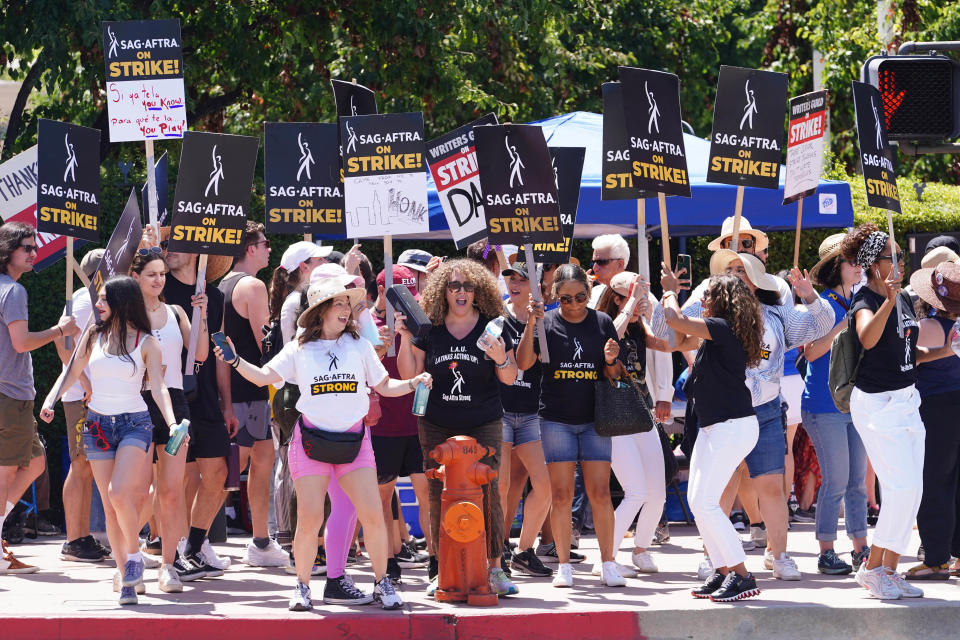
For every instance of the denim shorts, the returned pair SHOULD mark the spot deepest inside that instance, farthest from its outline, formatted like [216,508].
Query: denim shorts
[768,455]
[521,428]
[573,442]
[103,435]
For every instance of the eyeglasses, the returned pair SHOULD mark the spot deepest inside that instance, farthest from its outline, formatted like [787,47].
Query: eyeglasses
[604,261]
[98,435]
[455,285]
[29,248]
[742,243]
[568,299]
[265,242]
[146,252]
[886,256]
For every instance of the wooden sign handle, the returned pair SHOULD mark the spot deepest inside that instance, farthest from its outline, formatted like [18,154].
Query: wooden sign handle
[68,291]
[152,189]
[796,238]
[195,318]
[643,247]
[738,209]
[896,270]
[388,280]
[535,294]
[664,229]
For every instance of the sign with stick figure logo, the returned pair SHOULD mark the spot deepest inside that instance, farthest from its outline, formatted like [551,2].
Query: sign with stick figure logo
[876,157]
[567,163]
[617,183]
[68,184]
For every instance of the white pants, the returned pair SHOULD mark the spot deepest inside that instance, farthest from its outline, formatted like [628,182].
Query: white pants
[892,431]
[637,460]
[719,450]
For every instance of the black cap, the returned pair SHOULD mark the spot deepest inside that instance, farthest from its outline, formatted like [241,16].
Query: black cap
[943,241]
[518,268]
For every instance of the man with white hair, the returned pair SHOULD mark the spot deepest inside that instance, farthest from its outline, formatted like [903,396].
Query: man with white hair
[610,256]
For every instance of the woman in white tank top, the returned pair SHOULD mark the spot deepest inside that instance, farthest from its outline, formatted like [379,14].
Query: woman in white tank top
[118,432]
[171,328]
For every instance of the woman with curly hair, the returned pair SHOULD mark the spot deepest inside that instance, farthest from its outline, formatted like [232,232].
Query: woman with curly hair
[731,328]
[582,344]
[460,298]
[885,403]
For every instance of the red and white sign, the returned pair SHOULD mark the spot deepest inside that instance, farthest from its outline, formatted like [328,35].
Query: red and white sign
[808,123]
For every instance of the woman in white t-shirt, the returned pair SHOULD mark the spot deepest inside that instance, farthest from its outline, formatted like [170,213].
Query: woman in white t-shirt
[333,367]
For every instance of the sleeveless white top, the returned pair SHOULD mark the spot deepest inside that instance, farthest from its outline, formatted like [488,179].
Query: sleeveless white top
[171,346]
[116,381]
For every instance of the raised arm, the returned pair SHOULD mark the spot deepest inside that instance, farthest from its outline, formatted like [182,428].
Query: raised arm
[410,359]
[260,376]
[68,376]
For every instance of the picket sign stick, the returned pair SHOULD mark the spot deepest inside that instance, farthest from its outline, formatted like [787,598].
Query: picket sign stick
[502,258]
[796,238]
[308,237]
[80,274]
[152,190]
[643,247]
[195,318]
[68,292]
[388,280]
[664,231]
[896,271]
[735,242]
[535,294]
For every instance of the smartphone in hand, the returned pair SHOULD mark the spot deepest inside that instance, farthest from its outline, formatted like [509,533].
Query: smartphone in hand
[684,261]
[221,341]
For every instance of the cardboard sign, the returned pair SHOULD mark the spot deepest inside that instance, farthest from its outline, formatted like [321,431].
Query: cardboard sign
[144,67]
[353,99]
[301,173]
[160,170]
[68,186]
[121,248]
[453,164]
[808,122]
[518,185]
[615,167]
[745,146]
[213,193]
[567,170]
[384,180]
[651,107]
[876,157]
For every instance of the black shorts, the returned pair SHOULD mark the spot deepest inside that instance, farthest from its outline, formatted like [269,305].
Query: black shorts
[181,411]
[396,456]
[208,439]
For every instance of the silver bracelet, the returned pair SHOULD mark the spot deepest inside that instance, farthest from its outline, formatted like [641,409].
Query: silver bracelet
[503,365]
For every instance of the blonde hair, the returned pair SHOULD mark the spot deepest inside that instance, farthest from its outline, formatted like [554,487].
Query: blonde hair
[486,296]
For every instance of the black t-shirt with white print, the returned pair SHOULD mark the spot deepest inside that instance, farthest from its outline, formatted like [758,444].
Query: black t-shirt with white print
[466,390]
[567,391]
[892,363]
[523,396]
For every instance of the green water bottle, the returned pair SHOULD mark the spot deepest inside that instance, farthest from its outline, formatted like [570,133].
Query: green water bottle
[177,435]
[420,398]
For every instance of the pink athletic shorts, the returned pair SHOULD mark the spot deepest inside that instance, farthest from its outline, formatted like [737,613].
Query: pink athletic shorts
[302,465]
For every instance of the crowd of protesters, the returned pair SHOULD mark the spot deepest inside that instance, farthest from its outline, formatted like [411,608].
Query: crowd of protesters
[758,353]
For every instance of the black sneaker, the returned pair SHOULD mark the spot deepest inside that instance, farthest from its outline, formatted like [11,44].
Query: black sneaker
[393,570]
[187,570]
[712,584]
[104,550]
[505,557]
[13,529]
[80,550]
[420,544]
[830,564]
[548,553]
[433,568]
[342,591]
[410,558]
[859,557]
[152,546]
[736,587]
[739,520]
[37,525]
[209,571]
[527,562]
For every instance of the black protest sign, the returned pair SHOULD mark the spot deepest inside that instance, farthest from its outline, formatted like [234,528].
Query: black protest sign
[213,193]
[748,117]
[385,181]
[518,185]
[121,248]
[160,170]
[353,99]
[142,50]
[68,187]
[876,157]
[301,173]
[453,164]
[567,171]
[651,106]
[615,167]
[808,124]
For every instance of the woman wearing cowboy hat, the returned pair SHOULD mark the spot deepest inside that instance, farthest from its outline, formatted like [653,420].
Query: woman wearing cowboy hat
[843,460]
[333,367]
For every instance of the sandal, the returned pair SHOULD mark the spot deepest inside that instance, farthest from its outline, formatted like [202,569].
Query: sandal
[955,568]
[925,572]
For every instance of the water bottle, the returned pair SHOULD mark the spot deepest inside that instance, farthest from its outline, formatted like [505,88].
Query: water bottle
[955,337]
[490,333]
[368,329]
[420,398]
[177,435]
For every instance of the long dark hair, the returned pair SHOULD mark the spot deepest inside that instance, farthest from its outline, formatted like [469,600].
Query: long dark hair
[729,298]
[127,309]
[608,304]
[282,284]
[11,235]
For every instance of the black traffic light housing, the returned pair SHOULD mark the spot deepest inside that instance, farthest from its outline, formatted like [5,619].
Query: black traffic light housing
[921,94]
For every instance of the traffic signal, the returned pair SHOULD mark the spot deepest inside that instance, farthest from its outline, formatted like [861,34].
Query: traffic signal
[921,95]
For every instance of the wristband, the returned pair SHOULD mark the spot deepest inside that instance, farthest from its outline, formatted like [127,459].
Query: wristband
[668,292]
[503,365]
[411,385]
[60,330]
[609,364]
[236,363]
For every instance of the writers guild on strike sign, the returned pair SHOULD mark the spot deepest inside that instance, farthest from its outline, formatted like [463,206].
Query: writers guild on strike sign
[213,193]
[876,157]
[745,146]
[518,185]
[68,172]
[304,193]
[808,122]
[651,105]
[453,164]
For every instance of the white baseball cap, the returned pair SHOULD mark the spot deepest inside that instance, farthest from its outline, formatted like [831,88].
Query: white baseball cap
[300,252]
[416,259]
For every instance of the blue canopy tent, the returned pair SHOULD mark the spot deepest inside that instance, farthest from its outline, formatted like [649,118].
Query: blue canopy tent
[702,214]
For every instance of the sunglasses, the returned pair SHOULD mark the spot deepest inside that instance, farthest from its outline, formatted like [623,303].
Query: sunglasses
[604,261]
[150,251]
[264,242]
[568,299]
[743,243]
[455,285]
[29,248]
[887,256]
[101,438]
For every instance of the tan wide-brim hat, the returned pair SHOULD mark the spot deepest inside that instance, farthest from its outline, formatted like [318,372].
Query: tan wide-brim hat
[756,272]
[829,249]
[325,289]
[726,233]
[938,255]
[939,286]
[217,266]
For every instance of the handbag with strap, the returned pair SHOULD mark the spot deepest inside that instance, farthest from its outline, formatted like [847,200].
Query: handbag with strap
[332,447]
[620,409]
[846,352]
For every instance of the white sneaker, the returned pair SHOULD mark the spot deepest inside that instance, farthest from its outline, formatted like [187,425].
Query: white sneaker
[878,583]
[768,560]
[759,536]
[623,570]
[784,568]
[748,544]
[386,595]
[610,575]
[907,590]
[564,575]
[643,561]
[149,562]
[118,583]
[211,558]
[705,570]
[272,555]
[168,581]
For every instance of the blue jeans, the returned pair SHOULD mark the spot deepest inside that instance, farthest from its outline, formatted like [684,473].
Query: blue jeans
[573,443]
[104,435]
[521,428]
[843,465]
[767,457]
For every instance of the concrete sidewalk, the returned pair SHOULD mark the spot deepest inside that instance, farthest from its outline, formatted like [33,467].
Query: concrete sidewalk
[74,600]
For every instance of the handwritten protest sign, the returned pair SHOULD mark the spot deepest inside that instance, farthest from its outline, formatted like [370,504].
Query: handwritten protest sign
[808,122]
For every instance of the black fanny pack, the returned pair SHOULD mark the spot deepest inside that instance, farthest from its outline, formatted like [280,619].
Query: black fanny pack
[332,447]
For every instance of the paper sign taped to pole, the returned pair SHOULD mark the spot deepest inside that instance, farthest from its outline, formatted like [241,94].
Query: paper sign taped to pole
[68,185]
[876,156]
[385,182]
[805,141]
[144,71]
[453,164]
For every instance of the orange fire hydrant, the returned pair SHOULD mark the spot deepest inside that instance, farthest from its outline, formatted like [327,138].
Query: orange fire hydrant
[463,543]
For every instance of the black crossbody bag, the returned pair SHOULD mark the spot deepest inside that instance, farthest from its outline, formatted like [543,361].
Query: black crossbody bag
[332,447]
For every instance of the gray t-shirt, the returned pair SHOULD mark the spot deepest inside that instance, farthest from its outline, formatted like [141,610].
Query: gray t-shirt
[16,369]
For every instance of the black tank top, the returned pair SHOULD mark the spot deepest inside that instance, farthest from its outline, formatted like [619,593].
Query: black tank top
[238,328]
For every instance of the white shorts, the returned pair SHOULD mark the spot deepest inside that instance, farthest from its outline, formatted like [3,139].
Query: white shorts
[791,388]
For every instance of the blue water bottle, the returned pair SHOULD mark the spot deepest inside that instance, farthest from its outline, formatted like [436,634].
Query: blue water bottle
[420,399]
[177,435]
